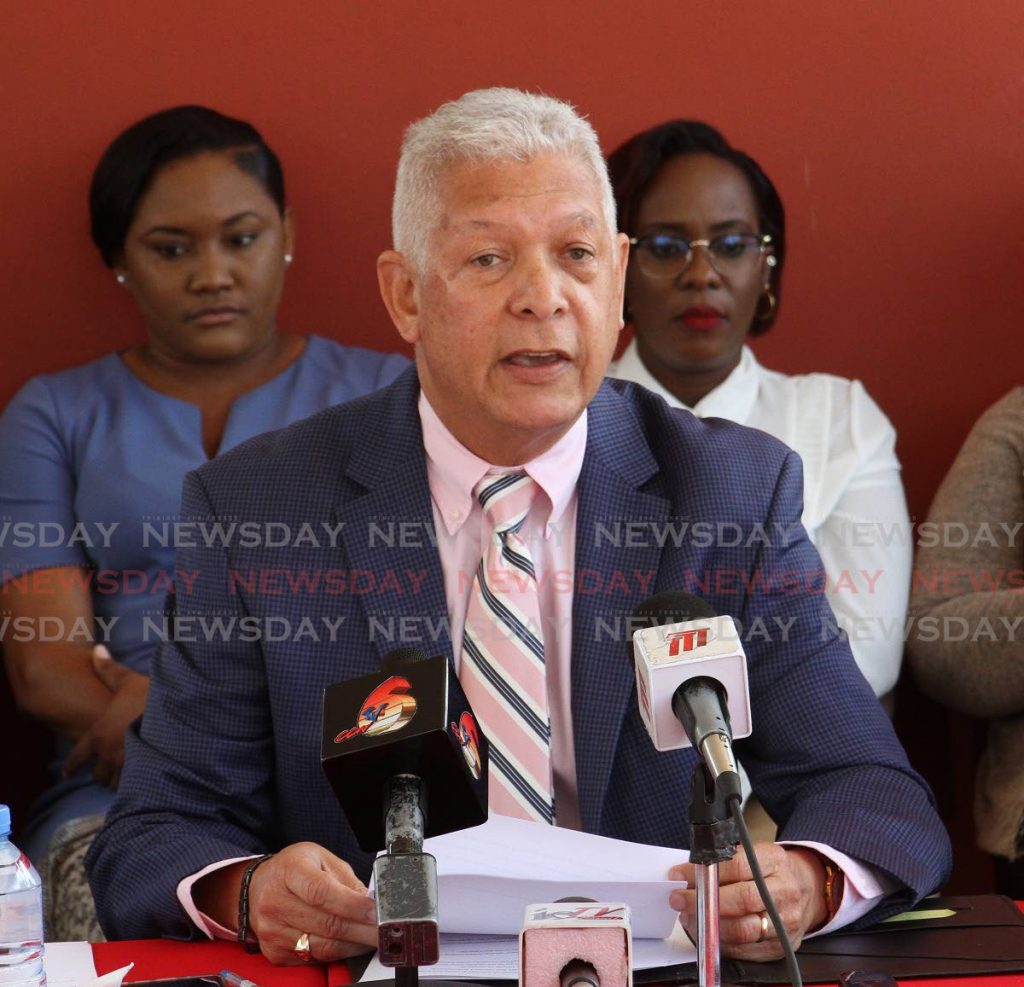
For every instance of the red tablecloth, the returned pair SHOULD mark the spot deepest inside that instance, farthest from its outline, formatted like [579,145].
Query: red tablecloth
[155,958]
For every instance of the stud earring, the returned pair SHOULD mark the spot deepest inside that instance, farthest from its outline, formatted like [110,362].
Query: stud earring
[288,258]
[121,279]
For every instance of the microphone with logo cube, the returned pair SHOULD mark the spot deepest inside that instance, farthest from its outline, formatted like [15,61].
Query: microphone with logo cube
[692,690]
[407,760]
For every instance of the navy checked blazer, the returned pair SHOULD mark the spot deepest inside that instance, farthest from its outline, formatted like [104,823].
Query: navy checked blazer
[225,761]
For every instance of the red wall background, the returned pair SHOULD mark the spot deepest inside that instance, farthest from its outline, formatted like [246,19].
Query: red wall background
[893,129]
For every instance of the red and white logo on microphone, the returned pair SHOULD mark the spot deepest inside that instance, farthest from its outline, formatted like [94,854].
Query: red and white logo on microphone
[688,640]
[468,736]
[388,708]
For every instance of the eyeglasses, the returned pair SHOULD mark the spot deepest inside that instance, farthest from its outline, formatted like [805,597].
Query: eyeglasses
[664,255]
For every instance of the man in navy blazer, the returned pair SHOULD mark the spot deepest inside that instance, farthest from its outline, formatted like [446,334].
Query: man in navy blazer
[307,554]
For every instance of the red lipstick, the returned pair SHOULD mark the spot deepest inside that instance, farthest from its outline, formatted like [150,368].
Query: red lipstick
[702,318]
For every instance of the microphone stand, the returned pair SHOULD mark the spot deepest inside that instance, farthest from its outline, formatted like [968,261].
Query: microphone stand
[713,839]
[406,880]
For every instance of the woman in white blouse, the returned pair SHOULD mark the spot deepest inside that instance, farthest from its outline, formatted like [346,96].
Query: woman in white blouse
[708,237]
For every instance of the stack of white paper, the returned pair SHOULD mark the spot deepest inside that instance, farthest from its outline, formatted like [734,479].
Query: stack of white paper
[486,876]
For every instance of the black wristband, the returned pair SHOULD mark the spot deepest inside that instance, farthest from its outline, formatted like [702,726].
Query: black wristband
[243,905]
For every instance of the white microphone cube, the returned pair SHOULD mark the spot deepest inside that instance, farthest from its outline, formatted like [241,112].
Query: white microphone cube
[671,654]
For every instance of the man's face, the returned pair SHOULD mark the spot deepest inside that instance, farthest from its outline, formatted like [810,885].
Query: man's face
[516,314]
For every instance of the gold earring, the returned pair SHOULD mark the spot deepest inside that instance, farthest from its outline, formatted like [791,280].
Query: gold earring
[770,295]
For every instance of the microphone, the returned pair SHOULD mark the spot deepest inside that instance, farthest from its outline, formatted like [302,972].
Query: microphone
[407,760]
[576,943]
[691,677]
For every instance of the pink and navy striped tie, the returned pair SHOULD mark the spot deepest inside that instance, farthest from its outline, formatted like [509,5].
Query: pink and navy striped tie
[502,669]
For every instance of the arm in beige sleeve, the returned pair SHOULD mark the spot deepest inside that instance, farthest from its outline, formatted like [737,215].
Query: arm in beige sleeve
[967,602]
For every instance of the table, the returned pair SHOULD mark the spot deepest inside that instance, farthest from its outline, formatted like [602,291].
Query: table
[155,958]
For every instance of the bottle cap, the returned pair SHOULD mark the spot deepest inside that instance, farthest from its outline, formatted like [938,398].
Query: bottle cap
[5,821]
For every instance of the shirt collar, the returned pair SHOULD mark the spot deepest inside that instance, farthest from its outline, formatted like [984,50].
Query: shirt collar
[734,398]
[453,471]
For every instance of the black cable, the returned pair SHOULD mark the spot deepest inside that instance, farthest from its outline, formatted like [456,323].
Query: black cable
[762,887]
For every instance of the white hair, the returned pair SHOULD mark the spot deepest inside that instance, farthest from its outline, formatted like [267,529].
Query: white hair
[484,125]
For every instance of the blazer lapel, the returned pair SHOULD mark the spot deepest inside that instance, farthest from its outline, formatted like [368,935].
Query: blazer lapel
[389,536]
[617,559]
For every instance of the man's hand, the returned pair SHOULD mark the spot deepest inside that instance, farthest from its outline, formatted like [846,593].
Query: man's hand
[103,742]
[305,888]
[796,880]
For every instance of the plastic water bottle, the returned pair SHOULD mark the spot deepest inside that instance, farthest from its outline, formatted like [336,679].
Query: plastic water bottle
[21,913]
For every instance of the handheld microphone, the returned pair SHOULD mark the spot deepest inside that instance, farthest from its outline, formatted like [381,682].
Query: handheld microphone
[691,677]
[406,759]
[576,943]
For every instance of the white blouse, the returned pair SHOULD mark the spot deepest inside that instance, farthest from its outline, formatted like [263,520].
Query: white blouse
[854,508]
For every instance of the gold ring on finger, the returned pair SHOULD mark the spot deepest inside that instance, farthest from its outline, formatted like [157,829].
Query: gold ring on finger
[765,926]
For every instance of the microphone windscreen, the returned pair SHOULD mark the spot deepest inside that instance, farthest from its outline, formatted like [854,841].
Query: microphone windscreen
[395,661]
[672,608]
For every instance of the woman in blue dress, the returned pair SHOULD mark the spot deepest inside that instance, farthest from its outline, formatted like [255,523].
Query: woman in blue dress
[188,211]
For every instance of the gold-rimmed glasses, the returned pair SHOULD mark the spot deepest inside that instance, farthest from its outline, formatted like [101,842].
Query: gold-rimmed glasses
[667,255]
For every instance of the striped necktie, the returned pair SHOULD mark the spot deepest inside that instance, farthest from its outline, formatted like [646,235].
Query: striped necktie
[502,670]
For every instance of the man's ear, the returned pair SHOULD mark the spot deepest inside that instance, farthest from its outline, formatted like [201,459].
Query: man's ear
[398,289]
